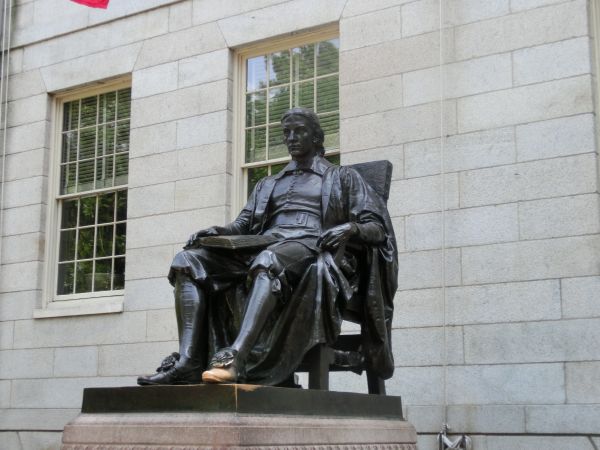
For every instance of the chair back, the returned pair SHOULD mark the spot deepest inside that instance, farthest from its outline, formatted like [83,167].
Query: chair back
[378,174]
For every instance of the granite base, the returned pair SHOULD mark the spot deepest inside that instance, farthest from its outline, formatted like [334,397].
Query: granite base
[236,417]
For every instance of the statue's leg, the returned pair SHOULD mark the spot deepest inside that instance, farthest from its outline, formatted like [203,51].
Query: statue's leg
[228,364]
[190,307]
[272,269]
[261,302]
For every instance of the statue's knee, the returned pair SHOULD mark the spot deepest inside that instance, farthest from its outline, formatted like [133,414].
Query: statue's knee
[267,269]
[266,262]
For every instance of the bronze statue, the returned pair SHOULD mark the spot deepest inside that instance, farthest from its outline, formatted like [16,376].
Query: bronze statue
[254,296]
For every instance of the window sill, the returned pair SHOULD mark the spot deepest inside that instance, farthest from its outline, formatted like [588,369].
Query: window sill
[66,308]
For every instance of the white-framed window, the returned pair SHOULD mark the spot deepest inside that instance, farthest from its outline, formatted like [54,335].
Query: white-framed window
[87,223]
[299,71]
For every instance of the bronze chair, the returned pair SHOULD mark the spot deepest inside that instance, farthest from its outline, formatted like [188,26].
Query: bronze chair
[344,355]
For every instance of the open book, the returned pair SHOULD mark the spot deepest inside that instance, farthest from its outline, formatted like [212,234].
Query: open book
[236,242]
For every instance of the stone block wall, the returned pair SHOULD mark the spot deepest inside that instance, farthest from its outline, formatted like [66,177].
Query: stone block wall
[490,125]
[495,201]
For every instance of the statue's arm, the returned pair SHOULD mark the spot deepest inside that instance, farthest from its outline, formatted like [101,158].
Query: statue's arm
[370,231]
[364,221]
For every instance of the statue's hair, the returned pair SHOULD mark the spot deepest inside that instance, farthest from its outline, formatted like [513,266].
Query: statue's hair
[314,122]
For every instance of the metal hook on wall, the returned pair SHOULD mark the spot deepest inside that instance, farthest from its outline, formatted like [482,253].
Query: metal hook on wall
[462,442]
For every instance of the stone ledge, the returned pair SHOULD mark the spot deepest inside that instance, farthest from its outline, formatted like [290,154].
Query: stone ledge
[199,431]
[239,399]
[236,417]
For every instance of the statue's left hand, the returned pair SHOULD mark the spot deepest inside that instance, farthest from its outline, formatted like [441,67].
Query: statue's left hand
[211,231]
[336,236]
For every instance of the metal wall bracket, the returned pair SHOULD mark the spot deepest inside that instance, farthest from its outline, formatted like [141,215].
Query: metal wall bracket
[462,442]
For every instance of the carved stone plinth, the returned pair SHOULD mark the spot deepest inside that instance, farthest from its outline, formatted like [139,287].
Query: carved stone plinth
[236,417]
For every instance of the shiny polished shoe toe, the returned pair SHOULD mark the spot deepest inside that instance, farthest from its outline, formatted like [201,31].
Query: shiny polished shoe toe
[220,375]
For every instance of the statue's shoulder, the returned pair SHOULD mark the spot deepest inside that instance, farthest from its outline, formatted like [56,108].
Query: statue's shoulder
[347,172]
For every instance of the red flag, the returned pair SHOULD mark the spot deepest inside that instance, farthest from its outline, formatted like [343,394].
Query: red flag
[93,3]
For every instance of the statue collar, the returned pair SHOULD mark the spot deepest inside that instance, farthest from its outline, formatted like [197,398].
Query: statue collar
[319,166]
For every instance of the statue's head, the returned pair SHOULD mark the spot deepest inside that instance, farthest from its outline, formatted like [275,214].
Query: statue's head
[302,133]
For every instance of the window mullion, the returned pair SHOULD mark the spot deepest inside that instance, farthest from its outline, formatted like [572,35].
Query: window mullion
[114,240]
[76,256]
[78,134]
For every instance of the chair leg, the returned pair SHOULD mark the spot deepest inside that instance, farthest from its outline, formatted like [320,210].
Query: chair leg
[318,375]
[376,384]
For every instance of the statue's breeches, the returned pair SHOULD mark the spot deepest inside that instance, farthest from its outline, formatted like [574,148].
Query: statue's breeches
[220,269]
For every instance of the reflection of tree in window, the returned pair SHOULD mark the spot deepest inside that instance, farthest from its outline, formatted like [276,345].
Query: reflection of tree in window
[306,76]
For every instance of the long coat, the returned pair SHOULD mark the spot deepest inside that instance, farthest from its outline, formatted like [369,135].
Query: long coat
[313,313]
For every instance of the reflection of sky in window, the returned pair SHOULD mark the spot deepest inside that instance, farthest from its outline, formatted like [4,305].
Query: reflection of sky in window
[256,77]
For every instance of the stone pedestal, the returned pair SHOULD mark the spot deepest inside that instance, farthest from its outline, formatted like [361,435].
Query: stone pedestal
[236,417]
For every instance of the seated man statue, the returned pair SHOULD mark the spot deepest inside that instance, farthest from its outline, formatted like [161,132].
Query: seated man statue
[250,315]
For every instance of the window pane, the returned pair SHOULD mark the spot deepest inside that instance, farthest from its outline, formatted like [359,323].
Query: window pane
[256,73]
[303,62]
[121,205]
[67,245]
[277,148]
[122,141]
[121,168]
[119,274]
[66,273]
[333,159]
[106,208]
[108,107]
[254,175]
[87,211]
[102,275]
[68,174]
[331,128]
[104,242]
[69,146]
[279,72]
[71,115]
[123,103]
[69,214]
[256,149]
[84,277]
[328,57]
[120,238]
[104,172]
[85,176]
[327,95]
[256,109]
[279,102]
[304,94]
[276,168]
[87,143]
[85,243]
[89,111]
[106,139]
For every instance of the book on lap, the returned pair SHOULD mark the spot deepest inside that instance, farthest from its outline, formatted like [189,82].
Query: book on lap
[236,242]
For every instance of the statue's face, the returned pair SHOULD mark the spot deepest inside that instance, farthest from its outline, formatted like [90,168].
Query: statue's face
[298,137]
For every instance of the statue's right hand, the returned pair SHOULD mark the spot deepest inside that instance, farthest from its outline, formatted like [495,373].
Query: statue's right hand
[211,231]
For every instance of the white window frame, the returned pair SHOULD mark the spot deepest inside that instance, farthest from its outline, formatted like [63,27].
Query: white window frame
[101,302]
[240,180]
